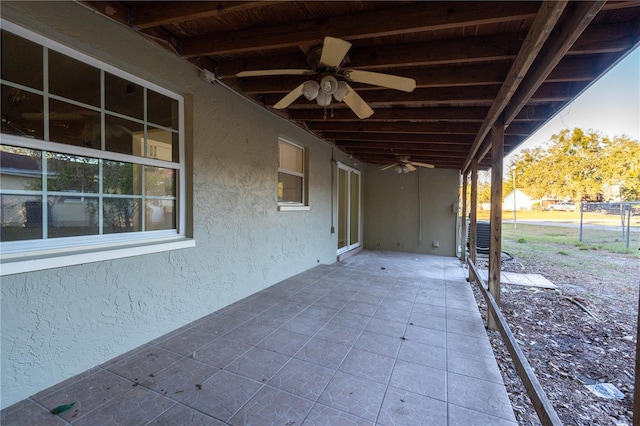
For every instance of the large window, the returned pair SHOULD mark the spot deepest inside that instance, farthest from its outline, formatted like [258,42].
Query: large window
[89,154]
[291,175]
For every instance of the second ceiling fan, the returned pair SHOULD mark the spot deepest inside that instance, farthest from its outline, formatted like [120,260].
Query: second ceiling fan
[326,61]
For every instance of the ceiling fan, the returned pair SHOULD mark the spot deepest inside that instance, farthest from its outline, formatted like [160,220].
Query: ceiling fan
[404,165]
[325,61]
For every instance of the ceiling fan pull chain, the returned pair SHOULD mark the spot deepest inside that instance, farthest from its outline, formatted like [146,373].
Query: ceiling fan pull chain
[325,113]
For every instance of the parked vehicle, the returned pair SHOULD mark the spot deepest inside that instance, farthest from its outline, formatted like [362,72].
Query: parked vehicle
[563,206]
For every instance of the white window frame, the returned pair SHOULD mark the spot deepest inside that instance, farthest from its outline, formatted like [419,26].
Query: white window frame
[291,205]
[30,255]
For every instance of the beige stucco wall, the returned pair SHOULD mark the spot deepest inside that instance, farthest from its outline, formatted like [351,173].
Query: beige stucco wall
[407,212]
[59,322]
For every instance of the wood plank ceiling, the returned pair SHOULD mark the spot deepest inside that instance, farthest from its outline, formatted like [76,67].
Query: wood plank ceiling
[475,64]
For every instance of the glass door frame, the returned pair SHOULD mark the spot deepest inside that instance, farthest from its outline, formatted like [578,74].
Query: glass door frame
[350,170]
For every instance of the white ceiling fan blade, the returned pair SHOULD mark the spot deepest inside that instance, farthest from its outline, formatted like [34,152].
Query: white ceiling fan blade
[428,166]
[410,167]
[289,98]
[357,104]
[388,166]
[384,80]
[333,51]
[263,73]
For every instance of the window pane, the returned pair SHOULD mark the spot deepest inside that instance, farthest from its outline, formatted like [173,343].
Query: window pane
[289,188]
[72,216]
[291,157]
[160,215]
[73,79]
[20,168]
[70,173]
[122,178]
[73,125]
[159,181]
[123,96]
[21,217]
[162,144]
[21,61]
[121,215]
[22,113]
[162,110]
[123,136]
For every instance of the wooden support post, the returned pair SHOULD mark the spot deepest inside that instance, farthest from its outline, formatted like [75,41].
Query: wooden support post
[473,208]
[495,236]
[463,229]
[636,393]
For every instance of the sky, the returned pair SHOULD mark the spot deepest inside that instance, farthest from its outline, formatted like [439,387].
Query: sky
[611,106]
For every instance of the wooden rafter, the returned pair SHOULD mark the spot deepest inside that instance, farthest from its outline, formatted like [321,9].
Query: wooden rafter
[395,21]
[544,22]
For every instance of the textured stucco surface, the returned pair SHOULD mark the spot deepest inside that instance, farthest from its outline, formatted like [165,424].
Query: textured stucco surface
[59,322]
[393,204]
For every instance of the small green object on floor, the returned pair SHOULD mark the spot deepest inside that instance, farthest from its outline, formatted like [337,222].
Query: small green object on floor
[62,408]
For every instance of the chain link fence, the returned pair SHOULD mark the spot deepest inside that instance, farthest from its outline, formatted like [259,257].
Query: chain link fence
[615,224]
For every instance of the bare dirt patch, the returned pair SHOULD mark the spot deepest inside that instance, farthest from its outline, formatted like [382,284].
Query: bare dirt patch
[567,347]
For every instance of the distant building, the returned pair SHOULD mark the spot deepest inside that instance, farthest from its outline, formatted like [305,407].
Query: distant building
[522,201]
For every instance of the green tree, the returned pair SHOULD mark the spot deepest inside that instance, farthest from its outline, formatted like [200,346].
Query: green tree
[577,165]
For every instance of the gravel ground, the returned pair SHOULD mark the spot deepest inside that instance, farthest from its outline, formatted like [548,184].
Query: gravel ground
[570,346]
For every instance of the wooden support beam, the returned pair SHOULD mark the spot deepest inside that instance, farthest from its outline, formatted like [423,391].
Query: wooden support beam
[394,21]
[148,15]
[546,18]
[396,127]
[463,223]
[400,146]
[432,96]
[473,217]
[577,19]
[636,393]
[495,234]
[425,138]
[472,114]
[544,409]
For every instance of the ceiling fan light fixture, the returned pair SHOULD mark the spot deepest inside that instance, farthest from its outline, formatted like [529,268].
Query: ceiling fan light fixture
[405,169]
[323,99]
[398,169]
[341,91]
[329,84]
[310,89]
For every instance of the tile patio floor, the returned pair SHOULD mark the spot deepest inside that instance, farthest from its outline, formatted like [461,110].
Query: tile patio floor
[380,338]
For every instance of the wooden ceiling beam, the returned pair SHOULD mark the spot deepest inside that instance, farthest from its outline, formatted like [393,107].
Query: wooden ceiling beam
[579,68]
[473,114]
[439,96]
[376,23]
[430,53]
[413,128]
[436,97]
[402,151]
[460,149]
[545,21]
[401,127]
[476,75]
[560,41]
[578,18]
[502,47]
[148,15]
[347,137]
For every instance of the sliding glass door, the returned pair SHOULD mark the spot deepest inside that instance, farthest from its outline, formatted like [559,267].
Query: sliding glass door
[348,208]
